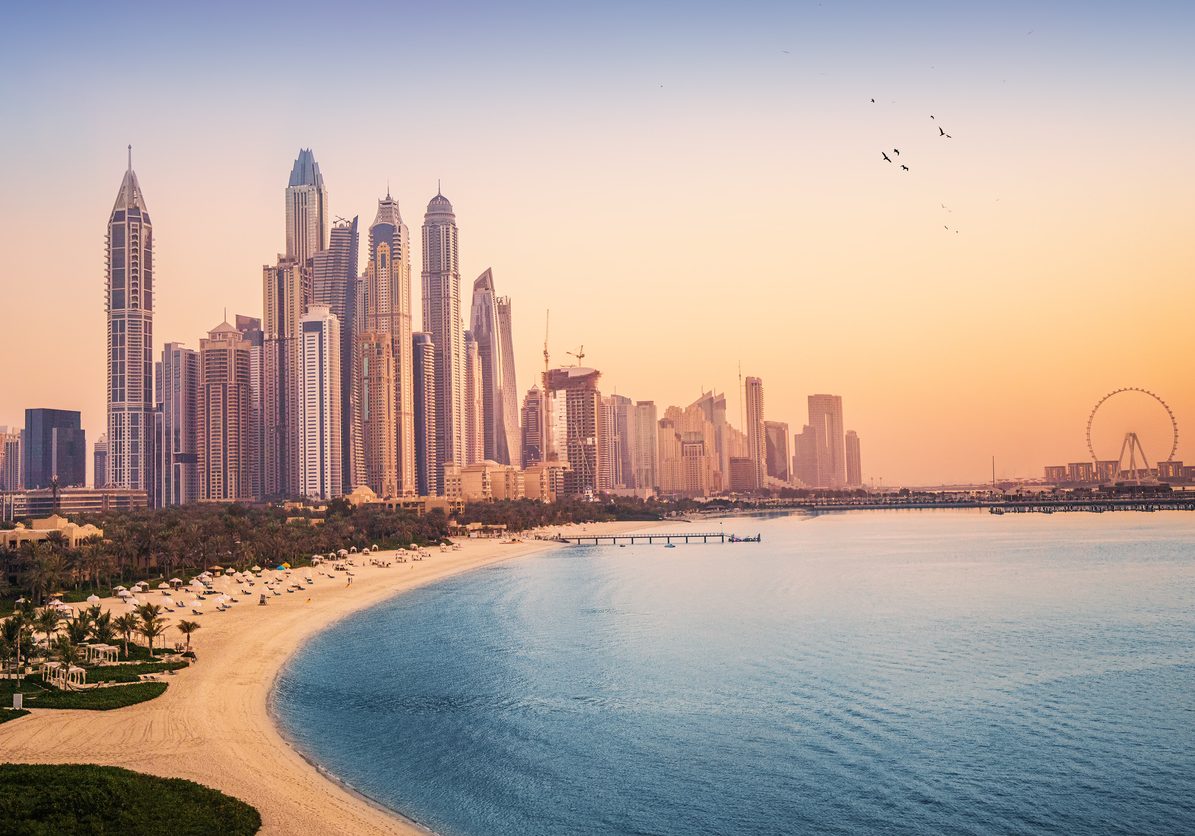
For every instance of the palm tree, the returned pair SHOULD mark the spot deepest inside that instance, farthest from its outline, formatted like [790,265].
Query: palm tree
[187,628]
[153,623]
[126,625]
[46,621]
[101,627]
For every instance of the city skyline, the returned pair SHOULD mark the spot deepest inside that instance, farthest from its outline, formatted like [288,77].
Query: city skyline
[893,327]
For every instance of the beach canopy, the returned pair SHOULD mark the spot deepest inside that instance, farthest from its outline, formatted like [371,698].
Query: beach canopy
[343,552]
[93,599]
[176,580]
[255,568]
[163,585]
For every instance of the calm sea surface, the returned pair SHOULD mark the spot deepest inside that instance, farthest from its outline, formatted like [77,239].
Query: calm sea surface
[901,672]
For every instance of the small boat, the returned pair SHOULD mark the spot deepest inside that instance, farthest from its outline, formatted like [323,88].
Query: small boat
[670,545]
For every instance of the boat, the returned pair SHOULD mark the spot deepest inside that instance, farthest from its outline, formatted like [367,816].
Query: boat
[670,545]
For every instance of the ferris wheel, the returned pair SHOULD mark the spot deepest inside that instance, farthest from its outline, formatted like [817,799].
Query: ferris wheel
[1132,461]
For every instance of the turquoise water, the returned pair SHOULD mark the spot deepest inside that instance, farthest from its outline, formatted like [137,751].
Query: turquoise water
[902,672]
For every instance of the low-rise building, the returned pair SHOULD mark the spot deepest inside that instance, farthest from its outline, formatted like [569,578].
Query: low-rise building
[44,502]
[41,529]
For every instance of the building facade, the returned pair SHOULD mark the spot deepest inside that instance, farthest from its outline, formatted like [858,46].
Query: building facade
[490,324]
[334,284]
[645,445]
[320,405]
[53,449]
[10,459]
[178,403]
[532,427]
[306,209]
[825,417]
[250,330]
[756,441]
[776,453]
[130,305]
[854,461]
[473,406]
[427,480]
[442,319]
[99,466]
[576,427]
[223,416]
[287,293]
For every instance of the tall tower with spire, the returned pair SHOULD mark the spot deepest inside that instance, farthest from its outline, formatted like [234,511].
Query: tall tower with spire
[442,319]
[306,209]
[130,337]
[490,324]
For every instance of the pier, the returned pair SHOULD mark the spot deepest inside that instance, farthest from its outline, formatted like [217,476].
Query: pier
[634,539]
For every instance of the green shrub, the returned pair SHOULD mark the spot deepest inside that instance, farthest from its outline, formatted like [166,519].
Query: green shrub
[40,800]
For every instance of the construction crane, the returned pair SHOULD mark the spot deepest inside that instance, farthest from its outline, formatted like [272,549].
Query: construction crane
[547,323]
[579,354]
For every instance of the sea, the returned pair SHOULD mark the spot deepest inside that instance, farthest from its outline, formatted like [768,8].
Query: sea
[946,672]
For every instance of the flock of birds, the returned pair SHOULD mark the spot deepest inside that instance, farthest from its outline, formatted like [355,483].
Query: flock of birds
[896,152]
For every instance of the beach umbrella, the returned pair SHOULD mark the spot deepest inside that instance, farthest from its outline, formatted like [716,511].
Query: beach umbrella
[93,599]
[255,568]
[176,580]
[163,585]
[374,547]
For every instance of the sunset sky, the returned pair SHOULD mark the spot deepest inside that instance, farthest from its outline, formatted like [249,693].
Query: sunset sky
[685,186]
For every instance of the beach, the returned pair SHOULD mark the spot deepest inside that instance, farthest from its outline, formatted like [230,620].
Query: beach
[213,724]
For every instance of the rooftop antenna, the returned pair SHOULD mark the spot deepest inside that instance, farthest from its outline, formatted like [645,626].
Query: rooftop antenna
[130,157]
[438,187]
[547,322]
[742,414]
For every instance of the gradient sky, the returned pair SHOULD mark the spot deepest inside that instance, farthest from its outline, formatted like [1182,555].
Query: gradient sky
[686,186]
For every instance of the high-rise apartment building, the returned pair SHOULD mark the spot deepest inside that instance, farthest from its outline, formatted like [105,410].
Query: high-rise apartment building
[250,330]
[54,448]
[756,443]
[776,453]
[427,480]
[129,293]
[713,406]
[334,284]
[854,463]
[385,309]
[99,467]
[645,445]
[287,292]
[576,427]
[618,446]
[805,457]
[442,319]
[688,457]
[490,324]
[223,416]
[10,459]
[177,386]
[375,383]
[532,423]
[320,405]
[473,405]
[306,209]
[825,416]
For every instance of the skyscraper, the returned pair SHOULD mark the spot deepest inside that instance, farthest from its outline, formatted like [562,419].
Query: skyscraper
[375,382]
[645,445]
[334,283]
[473,405]
[385,305]
[576,426]
[178,404]
[490,324]
[306,209]
[854,463]
[713,406]
[287,291]
[825,416]
[442,319]
[532,420]
[54,447]
[805,457]
[130,337]
[320,404]
[427,480]
[756,444]
[776,452]
[99,470]
[10,459]
[250,330]
[223,416]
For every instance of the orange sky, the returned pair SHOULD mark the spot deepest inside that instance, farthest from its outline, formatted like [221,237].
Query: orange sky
[696,198]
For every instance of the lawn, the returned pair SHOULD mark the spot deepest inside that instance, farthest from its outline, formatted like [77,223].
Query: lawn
[7,714]
[51,799]
[38,695]
[130,673]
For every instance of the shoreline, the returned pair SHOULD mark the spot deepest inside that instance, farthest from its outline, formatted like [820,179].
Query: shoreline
[215,725]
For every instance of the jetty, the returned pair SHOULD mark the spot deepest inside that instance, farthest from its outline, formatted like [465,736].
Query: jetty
[635,539]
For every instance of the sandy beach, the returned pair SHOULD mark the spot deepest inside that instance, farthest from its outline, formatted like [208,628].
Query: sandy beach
[213,724]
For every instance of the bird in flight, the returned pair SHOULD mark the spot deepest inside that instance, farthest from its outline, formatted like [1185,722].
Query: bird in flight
[873,101]
[943,133]
[905,167]
[896,151]
[887,159]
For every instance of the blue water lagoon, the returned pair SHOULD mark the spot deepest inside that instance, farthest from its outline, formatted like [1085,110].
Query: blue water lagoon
[901,672]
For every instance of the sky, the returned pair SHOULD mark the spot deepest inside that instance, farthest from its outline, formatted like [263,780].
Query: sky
[687,187]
